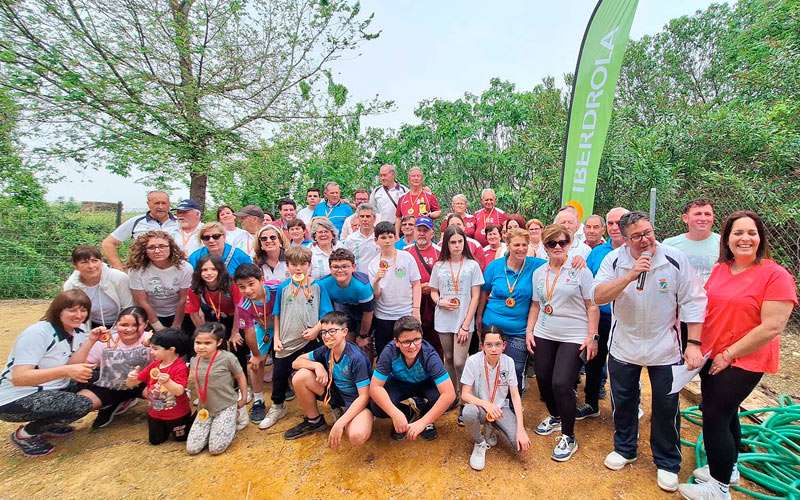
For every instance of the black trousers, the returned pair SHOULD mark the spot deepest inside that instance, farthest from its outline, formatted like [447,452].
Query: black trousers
[556,366]
[425,395]
[594,368]
[282,371]
[665,438]
[382,333]
[722,435]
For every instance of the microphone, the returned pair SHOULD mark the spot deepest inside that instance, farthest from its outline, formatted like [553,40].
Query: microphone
[643,274]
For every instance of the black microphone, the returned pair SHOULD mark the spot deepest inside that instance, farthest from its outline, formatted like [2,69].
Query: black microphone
[643,274]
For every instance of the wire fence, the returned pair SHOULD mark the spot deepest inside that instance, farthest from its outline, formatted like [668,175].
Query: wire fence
[36,243]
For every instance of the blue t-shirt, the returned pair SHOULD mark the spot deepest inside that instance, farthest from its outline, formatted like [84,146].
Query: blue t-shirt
[593,262]
[237,259]
[428,365]
[511,320]
[337,214]
[401,244]
[350,373]
[358,292]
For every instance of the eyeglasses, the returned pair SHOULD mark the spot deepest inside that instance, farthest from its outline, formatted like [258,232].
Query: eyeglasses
[341,267]
[638,236]
[214,237]
[157,248]
[559,243]
[330,332]
[491,345]
[271,237]
[412,342]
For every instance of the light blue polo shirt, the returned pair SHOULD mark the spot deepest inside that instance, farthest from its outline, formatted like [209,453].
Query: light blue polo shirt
[511,320]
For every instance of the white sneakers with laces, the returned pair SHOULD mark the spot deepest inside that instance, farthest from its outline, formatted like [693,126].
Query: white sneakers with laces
[615,461]
[666,480]
[478,458]
[275,413]
[703,474]
[566,447]
[711,490]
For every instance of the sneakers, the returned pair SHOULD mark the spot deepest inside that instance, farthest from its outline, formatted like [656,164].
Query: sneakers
[703,475]
[429,433]
[615,461]
[566,447]
[58,431]
[258,411]
[275,413]
[242,418]
[666,480]
[548,426]
[478,458]
[106,415]
[290,395]
[34,446]
[703,491]
[397,436]
[586,411]
[305,428]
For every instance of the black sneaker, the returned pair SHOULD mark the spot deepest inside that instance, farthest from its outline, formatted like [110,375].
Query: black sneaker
[397,436]
[290,395]
[586,411]
[105,416]
[258,411]
[429,433]
[305,427]
[58,431]
[34,446]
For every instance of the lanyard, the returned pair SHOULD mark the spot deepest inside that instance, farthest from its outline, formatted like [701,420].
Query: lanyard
[549,291]
[258,316]
[202,392]
[331,362]
[211,303]
[510,286]
[493,390]
[455,277]
[329,212]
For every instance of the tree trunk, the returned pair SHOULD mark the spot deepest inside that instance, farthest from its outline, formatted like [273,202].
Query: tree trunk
[197,189]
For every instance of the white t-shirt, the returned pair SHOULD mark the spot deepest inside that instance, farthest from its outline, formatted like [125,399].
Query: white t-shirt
[569,321]
[702,254]
[241,239]
[138,225]
[38,345]
[104,308]
[474,375]
[320,266]
[445,320]
[279,273]
[162,286]
[578,248]
[363,247]
[395,299]
[305,215]
[188,242]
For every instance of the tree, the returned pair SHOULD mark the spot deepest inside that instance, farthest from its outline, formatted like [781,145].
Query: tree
[173,88]
[17,179]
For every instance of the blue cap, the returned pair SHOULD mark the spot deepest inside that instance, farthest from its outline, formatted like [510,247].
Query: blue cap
[425,221]
[186,205]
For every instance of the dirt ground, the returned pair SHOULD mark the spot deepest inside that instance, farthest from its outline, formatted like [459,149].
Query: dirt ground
[117,461]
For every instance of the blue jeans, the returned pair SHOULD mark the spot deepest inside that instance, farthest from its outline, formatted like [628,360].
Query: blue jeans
[516,350]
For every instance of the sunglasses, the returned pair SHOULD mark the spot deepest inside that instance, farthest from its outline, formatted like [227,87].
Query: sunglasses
[559,243]
[271,237]
[214,237]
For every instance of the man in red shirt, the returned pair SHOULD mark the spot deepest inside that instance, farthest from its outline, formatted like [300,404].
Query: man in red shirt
[489,215]
[417,201]
[425,254]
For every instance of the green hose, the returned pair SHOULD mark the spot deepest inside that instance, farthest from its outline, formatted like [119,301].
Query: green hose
[773,458]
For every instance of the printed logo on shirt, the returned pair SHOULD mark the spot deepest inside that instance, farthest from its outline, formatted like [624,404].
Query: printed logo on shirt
[663,285]
[400,272]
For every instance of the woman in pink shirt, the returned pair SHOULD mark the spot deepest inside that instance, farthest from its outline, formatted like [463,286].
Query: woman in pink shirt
[750,298]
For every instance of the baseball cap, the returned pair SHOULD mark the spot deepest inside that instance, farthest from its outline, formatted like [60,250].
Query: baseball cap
[186,205]
[425,221]
[250,210]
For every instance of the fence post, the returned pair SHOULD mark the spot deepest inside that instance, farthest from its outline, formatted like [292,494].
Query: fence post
[119,213]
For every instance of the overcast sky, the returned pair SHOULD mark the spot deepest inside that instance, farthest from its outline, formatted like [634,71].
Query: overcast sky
[436,49]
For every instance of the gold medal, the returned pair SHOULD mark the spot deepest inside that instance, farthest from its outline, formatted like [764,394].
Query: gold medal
[455,301]
[510,302]
[154,373]
[383,264]
[548,309]
[423,208]
[202,415]
[105,338]
[298,278]
[410,211]
[489,418]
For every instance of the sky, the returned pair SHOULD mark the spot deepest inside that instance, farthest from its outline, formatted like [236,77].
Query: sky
[427,50]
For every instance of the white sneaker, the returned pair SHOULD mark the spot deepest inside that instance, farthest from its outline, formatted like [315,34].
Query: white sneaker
[490,435]
[615,461]
[548,426]
[703,474]
[666,480]
[242,418]
[275,413]
[566,447]
[478,458]
[703,491]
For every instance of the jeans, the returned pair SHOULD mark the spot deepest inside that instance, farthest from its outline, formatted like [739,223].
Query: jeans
[518,351]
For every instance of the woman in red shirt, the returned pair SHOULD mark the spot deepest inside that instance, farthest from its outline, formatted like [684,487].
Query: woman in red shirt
[750,298]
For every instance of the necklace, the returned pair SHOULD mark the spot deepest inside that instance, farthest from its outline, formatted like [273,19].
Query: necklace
[510,302]
[549,291]
[202,391]
[493,390]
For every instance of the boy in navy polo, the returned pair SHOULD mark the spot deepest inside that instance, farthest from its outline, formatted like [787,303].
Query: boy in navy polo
[410,384]
[338,374]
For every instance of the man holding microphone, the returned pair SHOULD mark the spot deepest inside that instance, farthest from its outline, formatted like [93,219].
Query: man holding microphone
[650,287]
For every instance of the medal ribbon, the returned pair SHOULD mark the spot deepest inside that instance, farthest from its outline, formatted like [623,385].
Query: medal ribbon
[211,303]
[455,277]
[202,392]
[493,390]
[326,401]
[510,286]
[549,291]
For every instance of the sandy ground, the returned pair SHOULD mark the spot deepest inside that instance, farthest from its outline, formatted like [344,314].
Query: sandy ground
[117,461]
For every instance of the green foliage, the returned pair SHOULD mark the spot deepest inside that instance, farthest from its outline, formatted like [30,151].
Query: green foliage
[16,177]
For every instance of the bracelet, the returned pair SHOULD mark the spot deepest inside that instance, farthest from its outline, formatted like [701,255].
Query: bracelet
[693,342]
[462,328]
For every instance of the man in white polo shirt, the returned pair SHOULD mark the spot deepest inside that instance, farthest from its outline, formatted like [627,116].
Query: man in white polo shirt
[386,196]
[157,218]
[644,334]
[188,214]
[362,242]
[578,248]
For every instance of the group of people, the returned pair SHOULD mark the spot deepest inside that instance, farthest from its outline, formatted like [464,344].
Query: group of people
[357,307]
